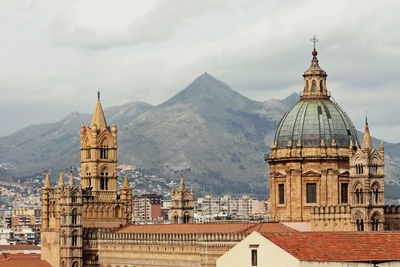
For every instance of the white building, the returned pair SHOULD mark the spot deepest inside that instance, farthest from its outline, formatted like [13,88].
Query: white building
[311,249]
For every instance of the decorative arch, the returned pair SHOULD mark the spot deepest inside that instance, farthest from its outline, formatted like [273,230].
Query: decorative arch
[74,216]
[74,238]
[375,188]
[359,219]
[186,217]
[104,175]
[376,218]
[117,211]
[314,86]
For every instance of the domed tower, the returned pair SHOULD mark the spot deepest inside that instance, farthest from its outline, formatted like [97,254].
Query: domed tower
[309,160]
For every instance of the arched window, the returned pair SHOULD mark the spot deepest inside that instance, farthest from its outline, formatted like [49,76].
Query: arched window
[314,86]
[104,150]
[176,218]
[75,264]
[186,218]
[74,238]
[375,193]
[357,196]
[321,86]
[375,222]
[104,180]
[306,86]
[74,217]
[361,196]
[116,212]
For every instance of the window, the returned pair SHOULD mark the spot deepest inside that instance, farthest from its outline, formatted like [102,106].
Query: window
[314,86]
[306,86]
[360,225]
[281,193]
[74,238]
[344,191]
[375,222]
[311,193]
[374,169]
[74,217]
[104,181]
[254,257]
[104,151]
[321,86]
[359,169]
[88,153]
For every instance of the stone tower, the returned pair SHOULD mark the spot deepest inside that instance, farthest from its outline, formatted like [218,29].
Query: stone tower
[68,209]
[71,223]
[367,185]
[182,207]
[103,207]
[309,159]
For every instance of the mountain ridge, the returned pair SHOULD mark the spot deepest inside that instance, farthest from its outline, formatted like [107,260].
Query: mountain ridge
[209,132]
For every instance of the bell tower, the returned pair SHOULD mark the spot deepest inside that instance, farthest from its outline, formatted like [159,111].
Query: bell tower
[367,185]
[99,155]
[102,204]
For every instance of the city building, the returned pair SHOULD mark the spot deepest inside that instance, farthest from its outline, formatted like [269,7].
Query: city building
[318,170]
[147,207]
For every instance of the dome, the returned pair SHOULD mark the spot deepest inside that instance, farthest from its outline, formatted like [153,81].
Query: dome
[313,121]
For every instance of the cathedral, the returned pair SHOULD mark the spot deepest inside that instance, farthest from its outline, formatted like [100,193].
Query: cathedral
[320,173]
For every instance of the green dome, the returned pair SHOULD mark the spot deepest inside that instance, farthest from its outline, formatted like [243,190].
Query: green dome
[312,120]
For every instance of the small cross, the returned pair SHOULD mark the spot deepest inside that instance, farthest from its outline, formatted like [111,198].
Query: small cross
[314,40]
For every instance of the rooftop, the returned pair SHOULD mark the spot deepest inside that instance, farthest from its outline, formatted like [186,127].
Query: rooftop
[339,246]
[18,260]
[206,228]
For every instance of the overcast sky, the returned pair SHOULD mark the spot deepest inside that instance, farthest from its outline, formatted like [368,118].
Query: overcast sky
[55,55]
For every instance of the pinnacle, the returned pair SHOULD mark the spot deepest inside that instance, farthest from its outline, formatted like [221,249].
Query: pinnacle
[61,180]
[182,184]
[125,185]
[98,118]
[47,182]
[366,143]
[71,180]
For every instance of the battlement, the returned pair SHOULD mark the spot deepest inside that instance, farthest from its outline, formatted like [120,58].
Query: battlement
[331,209]
[391,209]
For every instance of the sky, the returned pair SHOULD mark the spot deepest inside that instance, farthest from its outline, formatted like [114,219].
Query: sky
[55,55]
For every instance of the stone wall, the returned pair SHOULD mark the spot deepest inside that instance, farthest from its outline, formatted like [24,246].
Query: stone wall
[161,249]
[331,218]
[392,217]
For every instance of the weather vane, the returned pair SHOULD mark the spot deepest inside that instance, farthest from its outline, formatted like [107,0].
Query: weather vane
[314,40]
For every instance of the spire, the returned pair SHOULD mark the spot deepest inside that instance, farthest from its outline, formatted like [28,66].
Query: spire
[98,118]
[315,78]
[182,184]
[125,184]
[71,180]
[366,143]
[382,150]
[61,180]
[47,182]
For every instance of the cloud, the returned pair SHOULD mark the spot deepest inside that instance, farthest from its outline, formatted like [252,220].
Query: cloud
[104,24]
[54,51]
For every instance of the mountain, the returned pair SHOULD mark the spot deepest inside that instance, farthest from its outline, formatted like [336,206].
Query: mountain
[212,134]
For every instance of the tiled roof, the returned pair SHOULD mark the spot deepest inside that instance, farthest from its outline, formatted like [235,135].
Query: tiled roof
[339,246]
[206,228]
[18,260]
[19,247]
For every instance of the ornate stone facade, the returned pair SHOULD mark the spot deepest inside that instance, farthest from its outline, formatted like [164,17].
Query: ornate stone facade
[182,205]
[68,208]
[318,170]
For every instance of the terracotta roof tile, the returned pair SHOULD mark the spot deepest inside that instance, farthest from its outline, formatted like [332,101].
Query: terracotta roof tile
[19,247]
[339,246]
[206,228]
[18,260]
